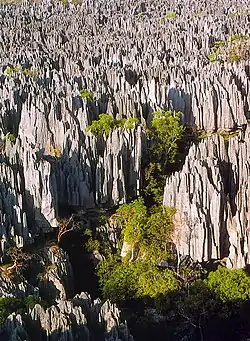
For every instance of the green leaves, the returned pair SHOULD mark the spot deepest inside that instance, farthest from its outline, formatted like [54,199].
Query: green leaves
[86,94]
[103,126]
[9,305]
[232,50]
[141,279]
[229,285]
[132,217]
[148,230]
[106,123]
[170,15]
[166,130]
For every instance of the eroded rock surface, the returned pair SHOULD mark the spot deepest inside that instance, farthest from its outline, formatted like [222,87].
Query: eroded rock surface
[211,196]
[75,320]
[133,59]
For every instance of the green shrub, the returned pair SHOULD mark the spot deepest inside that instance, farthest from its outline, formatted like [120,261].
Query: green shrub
[9,305]
[130,123]
[103,126]
[154,182]
[29,72]
[235,49]
[148,230]
[132,217]
[86,94]
[153,282]
[141,279]
[10,137]
[158,231]
[106,123]
[9,71]
[170,15]
[229,285]
[30,301]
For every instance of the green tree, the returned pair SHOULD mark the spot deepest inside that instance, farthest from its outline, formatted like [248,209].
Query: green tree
[132,217]
[153,282]
[86,94]
[166,130]
[141,279]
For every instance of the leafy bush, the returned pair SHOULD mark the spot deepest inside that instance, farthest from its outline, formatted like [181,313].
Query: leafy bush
[9,305]
[141,279]
[147,230]
[158,230]
[15,70]
[30,301]
[229,285]
[132,217]
[170,15]
[103,126]
[10,137]
[154,182]
[106,123]
[86,94]
[165,134]
[128,123]
[153,282]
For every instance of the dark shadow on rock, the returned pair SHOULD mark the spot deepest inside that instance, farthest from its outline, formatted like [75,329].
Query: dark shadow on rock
[85,278]
[231,186]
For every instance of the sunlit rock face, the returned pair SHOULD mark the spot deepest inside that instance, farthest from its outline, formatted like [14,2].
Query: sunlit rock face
[211,194]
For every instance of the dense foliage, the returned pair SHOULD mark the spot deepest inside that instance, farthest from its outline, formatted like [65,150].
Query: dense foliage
[232,50]
[166,130]
[229,285]
[106,123]
[146,230]
[164,135]
[123,280]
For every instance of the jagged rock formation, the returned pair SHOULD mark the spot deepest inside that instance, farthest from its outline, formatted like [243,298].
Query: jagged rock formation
[211,194]
[48,275]
[133,60]
[78,319]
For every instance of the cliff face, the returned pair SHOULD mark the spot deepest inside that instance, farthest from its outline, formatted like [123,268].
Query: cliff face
[134,60]
[211,194]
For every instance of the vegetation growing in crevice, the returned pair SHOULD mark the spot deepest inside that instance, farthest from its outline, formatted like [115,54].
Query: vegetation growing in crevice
[170,15]
[86,94]
[107,123]
[11,71]
[235,49]
[164,137]
[147,232]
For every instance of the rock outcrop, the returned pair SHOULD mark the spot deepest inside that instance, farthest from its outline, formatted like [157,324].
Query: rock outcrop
[47,274]
[211,196]
[75,320]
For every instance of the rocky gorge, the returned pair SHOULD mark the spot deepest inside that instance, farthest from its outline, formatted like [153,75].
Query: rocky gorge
[61,65]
